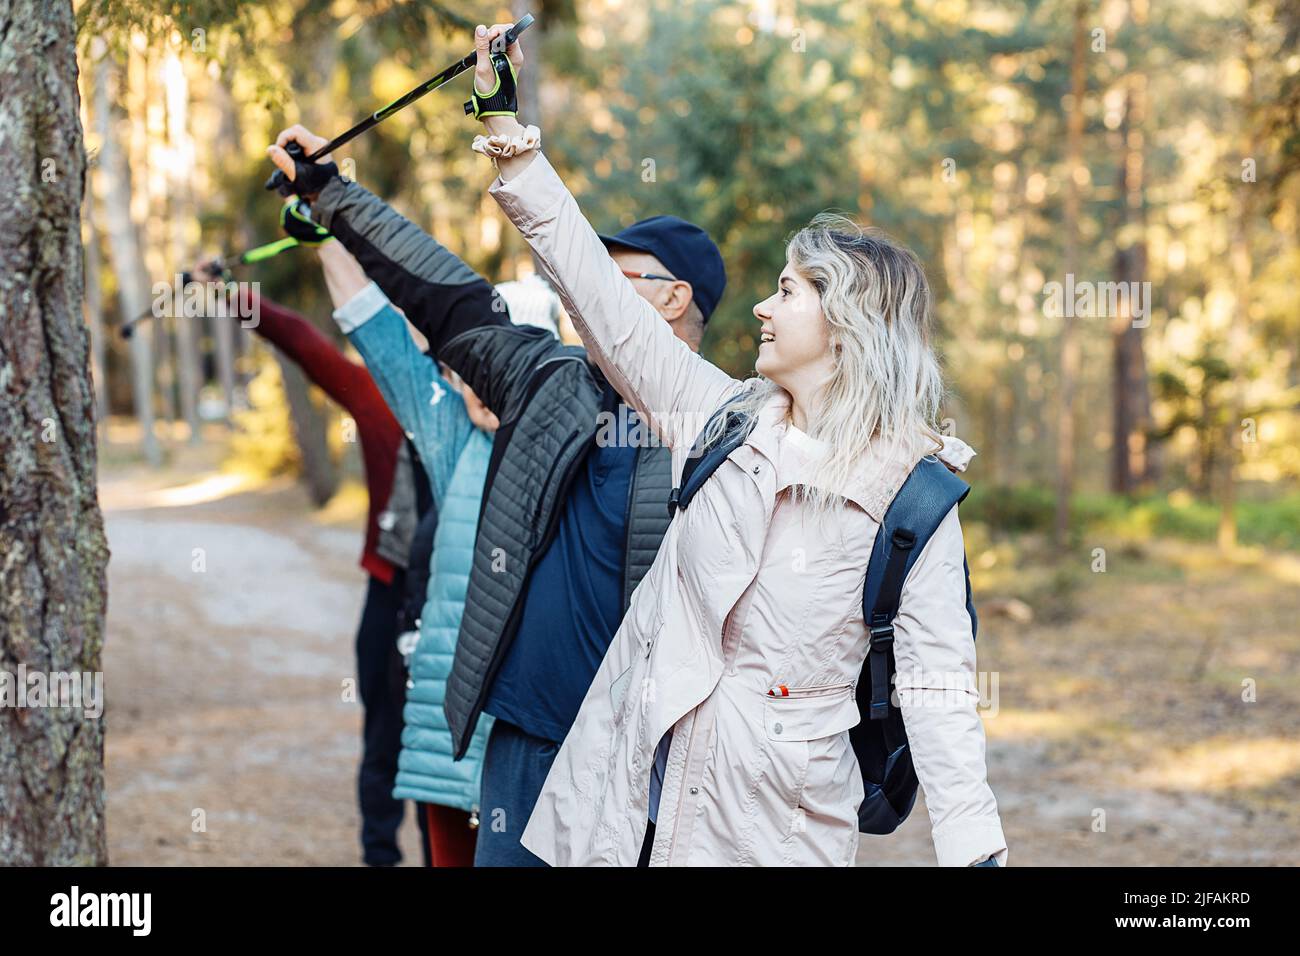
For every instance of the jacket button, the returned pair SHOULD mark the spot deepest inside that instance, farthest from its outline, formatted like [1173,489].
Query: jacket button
[757,469]
[694,790]
[777,728]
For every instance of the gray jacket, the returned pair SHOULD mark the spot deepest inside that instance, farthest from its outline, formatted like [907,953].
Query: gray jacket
[547,396]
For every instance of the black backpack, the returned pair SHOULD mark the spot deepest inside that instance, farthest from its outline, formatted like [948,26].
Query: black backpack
[879,739]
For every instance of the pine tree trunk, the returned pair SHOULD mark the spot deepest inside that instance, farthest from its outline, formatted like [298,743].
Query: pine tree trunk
[311,420]
[52,576]
[310,427]
[150,181]
[1131,454]
[124,246]
[181,217]
[1242,275]
[224,331]
[94,309]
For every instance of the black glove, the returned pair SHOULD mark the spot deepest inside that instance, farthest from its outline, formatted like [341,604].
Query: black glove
[503,99]
[308,178]
[296,221]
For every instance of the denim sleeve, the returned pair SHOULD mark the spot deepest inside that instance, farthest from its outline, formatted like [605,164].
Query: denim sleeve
[440,294]
[429,411]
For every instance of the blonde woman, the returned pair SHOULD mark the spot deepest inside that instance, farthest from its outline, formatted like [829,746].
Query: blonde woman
[758,585]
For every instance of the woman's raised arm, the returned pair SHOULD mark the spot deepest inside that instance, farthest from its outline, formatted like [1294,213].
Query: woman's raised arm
[669,384]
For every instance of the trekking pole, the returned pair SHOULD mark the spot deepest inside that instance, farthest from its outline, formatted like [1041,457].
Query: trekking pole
[221,265]
[281,183]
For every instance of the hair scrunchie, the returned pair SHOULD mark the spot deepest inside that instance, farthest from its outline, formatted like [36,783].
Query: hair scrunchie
[499,145]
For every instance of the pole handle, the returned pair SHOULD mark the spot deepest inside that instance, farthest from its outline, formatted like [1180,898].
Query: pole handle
[282,184]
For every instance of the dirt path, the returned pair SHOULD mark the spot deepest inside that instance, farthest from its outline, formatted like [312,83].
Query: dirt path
[225,700]
[230,639]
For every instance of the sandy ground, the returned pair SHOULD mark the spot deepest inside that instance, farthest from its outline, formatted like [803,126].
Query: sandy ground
[233,732]
[1119,738]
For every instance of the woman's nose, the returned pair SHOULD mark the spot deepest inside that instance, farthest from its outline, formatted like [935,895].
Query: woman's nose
[761,311]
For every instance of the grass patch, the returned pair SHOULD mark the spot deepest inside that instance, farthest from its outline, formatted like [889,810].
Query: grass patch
[1273,523]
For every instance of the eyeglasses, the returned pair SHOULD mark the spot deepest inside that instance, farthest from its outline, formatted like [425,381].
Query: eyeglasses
[646,275]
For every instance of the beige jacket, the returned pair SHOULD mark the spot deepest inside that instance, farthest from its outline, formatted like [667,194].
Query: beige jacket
[746,593]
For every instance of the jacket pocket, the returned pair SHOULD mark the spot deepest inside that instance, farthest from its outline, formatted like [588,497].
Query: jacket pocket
[810,712]
[618,693]
[815,720]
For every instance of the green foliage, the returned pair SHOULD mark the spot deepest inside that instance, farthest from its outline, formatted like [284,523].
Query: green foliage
[1272,522]
[942,123]
[747,139]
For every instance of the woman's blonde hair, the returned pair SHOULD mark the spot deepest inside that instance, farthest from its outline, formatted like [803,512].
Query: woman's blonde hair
[885,392]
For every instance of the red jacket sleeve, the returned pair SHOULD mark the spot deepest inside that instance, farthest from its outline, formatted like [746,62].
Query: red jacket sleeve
[350,385]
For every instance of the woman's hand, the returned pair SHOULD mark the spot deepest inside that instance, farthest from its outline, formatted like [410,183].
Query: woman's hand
[485,77]
[512,145]
[309,142]
[205,271]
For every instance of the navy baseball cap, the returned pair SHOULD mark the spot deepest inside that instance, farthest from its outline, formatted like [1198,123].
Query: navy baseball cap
[685,250]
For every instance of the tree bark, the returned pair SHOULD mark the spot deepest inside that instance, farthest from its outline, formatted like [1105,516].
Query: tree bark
[52,576]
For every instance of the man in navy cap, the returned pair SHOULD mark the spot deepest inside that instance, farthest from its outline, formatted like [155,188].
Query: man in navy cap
[672,262]
[576,595]
[573,512]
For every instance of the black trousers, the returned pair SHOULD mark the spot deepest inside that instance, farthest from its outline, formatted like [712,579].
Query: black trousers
[647,845]
[382,689]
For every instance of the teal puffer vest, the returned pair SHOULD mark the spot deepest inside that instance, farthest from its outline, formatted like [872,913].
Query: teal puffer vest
[425,769]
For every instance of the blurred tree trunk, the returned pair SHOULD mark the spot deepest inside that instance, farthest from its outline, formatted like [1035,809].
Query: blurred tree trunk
[180,222]
[148,136]
[1006,242]
[124,245]
[224,331]
[1242,277]
[52,578]
[310,428]
[1070,228]
[94,306]
[1131,458]
[314,72]
[530,106]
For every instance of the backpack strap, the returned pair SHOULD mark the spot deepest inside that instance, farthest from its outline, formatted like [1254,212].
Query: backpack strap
[880,623]
[918,508]
[704,459]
